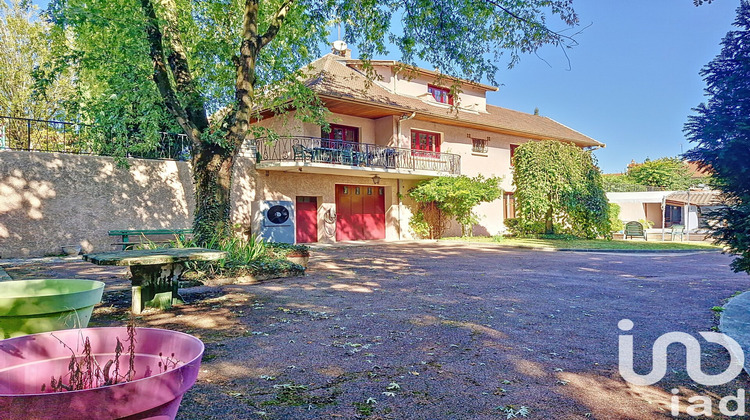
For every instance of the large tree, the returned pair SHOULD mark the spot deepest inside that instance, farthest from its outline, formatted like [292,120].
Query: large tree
[668,173]
[231,58]
[721,130]
[559,190]
[24,42]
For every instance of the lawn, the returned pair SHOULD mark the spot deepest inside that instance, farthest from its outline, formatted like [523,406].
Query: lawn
[633,244]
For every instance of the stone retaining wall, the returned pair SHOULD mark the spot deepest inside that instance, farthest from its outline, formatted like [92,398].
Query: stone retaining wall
[48,200]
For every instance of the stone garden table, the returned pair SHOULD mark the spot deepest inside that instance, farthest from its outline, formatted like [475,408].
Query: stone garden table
[155,273]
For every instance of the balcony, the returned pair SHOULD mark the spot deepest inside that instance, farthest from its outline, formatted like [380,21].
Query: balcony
[342,157]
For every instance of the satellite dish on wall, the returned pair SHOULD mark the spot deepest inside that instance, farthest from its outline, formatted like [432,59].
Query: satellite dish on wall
[339,46]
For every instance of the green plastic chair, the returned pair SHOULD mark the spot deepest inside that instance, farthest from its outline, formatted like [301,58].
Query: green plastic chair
[678,230]
[301,152]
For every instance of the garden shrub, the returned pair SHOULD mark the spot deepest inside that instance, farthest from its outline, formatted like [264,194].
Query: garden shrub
[441,198]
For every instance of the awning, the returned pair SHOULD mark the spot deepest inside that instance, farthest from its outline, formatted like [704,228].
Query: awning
[697,198]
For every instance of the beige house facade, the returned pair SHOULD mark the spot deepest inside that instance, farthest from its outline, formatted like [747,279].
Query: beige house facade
[407,125]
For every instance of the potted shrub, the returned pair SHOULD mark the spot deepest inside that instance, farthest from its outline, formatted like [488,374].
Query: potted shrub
[97,373]
[296,253]
[33,306]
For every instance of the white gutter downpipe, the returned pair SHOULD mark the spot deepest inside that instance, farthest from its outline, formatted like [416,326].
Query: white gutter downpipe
[687,213]
[663,209]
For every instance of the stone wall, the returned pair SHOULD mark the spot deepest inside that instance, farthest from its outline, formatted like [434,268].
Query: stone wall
[48,200]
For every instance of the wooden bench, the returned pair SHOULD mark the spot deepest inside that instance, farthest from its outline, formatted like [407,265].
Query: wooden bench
[635,230]
[143,234]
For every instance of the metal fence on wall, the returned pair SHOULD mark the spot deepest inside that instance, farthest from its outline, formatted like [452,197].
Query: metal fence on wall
[35,135]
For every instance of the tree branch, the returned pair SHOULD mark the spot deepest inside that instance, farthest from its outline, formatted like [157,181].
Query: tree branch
[161,75]
[276,22]
[252,43]
[557,35]
[240,119]
[178,62]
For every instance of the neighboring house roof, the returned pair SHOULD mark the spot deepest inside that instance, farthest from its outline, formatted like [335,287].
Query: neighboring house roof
[697,170]
[696,198]
[334,81]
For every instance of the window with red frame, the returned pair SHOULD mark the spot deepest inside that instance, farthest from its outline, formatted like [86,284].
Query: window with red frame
[340,133]
[425,141]
[513,148]
[441,95]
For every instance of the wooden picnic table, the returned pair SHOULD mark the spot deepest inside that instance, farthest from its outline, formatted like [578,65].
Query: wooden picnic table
[155,273]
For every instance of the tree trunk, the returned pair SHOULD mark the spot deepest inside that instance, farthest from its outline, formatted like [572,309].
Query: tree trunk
[212,172]
[549,227]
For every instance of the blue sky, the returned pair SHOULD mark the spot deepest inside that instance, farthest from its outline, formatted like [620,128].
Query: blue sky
[632,80]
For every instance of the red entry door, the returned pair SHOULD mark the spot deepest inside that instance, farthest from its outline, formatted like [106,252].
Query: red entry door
[307,219]
[360,212]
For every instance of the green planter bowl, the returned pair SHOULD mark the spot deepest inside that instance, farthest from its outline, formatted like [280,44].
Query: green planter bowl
[34,306]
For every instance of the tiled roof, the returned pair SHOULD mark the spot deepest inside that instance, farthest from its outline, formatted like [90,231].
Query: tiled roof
[331,77]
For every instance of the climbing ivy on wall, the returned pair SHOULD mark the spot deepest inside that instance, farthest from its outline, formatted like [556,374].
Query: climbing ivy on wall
[559,191]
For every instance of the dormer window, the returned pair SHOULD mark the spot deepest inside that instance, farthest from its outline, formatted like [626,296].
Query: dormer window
[441,95]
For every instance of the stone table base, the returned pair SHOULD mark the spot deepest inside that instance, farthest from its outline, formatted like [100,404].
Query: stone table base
[155,286]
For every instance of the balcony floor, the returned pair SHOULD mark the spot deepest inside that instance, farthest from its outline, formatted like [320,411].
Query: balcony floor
[339,169]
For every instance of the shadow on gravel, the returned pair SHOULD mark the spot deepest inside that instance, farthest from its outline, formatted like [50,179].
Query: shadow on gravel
[435,331]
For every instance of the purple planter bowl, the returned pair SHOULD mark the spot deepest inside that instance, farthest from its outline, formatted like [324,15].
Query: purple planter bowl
[28,362]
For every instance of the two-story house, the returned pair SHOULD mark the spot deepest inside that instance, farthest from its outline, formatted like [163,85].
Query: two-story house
[351,183]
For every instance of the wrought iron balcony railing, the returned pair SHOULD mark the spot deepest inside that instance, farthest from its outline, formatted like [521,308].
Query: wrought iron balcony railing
[353,154]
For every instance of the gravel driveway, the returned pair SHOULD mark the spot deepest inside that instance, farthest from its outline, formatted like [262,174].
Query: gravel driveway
[441,331]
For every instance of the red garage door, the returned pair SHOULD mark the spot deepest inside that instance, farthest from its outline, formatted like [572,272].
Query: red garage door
[360,212]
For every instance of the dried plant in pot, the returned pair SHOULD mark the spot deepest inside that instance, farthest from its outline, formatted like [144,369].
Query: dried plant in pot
[97,373]
[34,306]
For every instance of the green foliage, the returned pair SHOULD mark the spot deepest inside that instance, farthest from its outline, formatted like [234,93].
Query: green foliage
[559,190]
[667,173]
[280,249]
[455,197]
[251,256]
[721,130]
[422,228]
[512,224]
[621,183]
[25,42]
[647,224]
[615,224]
